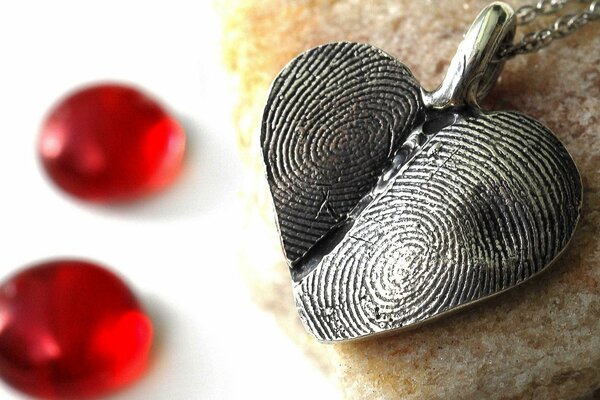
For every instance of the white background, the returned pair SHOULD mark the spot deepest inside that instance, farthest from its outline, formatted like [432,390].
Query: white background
[177,249]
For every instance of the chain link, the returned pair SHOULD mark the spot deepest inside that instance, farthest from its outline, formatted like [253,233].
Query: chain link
[563,26]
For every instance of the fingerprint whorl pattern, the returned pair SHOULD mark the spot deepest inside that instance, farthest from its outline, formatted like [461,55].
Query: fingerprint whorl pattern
[485,204]
[335,116]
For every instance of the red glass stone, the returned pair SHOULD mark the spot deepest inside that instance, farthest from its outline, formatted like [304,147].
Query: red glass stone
[70,329]
[110,143]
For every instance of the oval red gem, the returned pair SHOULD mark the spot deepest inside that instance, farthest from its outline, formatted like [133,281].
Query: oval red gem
[110,143]
[70,329]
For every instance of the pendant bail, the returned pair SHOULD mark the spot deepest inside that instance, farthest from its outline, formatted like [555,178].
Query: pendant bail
[475,68]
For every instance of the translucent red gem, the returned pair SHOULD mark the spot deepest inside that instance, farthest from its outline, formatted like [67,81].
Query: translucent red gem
[111,143]
[70,329]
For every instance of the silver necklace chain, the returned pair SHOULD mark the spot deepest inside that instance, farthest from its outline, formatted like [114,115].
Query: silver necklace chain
[563,26]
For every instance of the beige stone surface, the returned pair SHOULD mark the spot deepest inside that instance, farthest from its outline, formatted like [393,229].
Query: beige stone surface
[538,341]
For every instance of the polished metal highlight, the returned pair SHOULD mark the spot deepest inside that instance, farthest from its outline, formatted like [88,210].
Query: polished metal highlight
[396,205]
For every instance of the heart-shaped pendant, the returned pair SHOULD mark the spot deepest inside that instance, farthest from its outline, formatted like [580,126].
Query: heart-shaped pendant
[396,205]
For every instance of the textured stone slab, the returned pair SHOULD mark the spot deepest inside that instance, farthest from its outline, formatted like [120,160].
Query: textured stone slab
[540,341]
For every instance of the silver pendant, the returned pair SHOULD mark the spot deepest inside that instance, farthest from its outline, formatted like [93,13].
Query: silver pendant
[396,205]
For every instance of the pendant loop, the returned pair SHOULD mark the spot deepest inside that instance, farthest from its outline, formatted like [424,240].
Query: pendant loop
[475,68]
